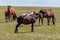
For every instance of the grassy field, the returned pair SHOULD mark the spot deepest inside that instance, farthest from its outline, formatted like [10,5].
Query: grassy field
[44,32]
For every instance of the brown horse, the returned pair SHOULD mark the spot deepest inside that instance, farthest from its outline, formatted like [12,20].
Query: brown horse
[27,19]
[9,14]
[47,13]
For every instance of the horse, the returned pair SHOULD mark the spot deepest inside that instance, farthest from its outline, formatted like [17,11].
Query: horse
[46,13]
[10,14]
[27,19]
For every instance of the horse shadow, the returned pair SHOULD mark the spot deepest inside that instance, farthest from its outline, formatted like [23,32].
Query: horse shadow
[24,32]
[38,25]
[34,25]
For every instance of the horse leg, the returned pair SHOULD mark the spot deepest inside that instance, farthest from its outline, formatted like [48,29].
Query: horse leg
[6,19]
[39,20]
[16,29]
[32,28]
[9,18]
[48,19]
[53,20]
[19,20]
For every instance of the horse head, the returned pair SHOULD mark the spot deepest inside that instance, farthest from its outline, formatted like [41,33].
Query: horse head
[34,14]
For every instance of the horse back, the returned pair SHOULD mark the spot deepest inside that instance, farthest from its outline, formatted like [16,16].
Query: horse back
[49,12]
[28,20]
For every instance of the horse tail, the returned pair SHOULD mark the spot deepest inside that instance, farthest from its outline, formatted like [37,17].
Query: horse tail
[53,19]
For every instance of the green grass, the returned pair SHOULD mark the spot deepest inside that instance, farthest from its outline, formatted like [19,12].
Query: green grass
[44,32]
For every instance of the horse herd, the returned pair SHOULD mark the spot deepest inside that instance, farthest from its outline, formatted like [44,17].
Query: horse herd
[29,18]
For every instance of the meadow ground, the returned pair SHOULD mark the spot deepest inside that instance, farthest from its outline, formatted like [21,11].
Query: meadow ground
[44,32]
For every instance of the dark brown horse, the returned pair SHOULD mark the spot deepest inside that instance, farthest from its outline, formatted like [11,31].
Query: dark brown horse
[47,13]
[10,14]
[27,19]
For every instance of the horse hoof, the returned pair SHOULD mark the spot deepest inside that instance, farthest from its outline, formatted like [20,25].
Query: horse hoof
[48,24]
[6,21]
[15,32]
[53,23]
[32,31]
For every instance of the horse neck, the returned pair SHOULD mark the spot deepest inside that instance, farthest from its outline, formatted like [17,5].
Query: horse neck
[36,16]
[8,10]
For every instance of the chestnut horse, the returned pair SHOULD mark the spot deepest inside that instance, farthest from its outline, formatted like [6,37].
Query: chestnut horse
[10,14]
[27,19]
[47,13]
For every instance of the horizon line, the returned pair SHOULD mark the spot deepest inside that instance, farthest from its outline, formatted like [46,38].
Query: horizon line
[29,6]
